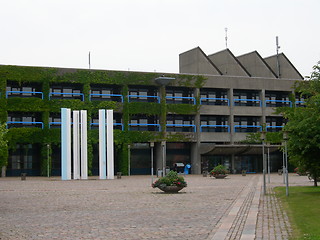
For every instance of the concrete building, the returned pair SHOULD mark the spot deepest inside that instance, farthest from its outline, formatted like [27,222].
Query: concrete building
[201,116]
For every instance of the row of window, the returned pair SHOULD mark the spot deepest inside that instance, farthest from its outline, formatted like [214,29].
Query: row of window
[174,123]
[208,96]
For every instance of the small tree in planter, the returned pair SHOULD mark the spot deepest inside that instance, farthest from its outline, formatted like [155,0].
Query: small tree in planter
[170,183]
[219,171]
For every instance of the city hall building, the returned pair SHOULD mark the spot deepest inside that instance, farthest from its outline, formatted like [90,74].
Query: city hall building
[201,116]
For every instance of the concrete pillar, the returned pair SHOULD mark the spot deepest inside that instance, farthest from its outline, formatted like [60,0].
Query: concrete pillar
[3,171]
[195,158]
[158,156]
[232,163]
[84,144]
[231,115]
[76,145]
[65,144]
[110,154]
[263,103]
[102,144]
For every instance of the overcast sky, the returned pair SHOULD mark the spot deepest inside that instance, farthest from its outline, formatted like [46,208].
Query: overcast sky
[148,35]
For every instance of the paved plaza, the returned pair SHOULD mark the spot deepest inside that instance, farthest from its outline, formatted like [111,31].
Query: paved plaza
[129,208]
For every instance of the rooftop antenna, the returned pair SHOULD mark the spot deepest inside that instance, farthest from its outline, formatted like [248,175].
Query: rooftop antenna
[278,62]
[226,38]
[89,61]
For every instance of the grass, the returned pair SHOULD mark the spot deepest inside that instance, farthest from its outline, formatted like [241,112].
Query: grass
[303,209]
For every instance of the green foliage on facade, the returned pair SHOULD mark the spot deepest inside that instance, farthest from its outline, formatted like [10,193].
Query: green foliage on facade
[47,76]
[3,146]
[304,126]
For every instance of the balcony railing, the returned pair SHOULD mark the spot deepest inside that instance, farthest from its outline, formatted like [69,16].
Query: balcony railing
[24,124]
[183,126]
[71,94]
[182,98]
[109,95]
[282,102]
[237,127]
[215,126]
[300,103]
[257,101]
[142,96]
[114,124]
[12,94]
[223,100]
[146,125]
[273,128]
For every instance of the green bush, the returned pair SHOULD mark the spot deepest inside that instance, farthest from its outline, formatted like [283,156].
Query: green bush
[172,179]
[220,169]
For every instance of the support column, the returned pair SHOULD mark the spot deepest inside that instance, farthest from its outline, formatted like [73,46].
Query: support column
[76,145]
[84,145]
[110,154]
[102,144]
[195,158]
[65,144]
[158,156]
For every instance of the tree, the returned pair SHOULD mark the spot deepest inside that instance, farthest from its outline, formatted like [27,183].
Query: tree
[3,146]
[304,126]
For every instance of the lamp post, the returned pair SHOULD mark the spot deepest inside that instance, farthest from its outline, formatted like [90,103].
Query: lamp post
[129,147]
[285,138]
[268,161]
[163,145]
[151,146]
[263,137]
[48,159]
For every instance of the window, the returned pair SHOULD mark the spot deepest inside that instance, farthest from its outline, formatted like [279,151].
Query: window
[24,119]
[247,124]
[143,94]
[248,98]
[300,100]
[144,123]
[24,90]
[277,99]
[66,92]
[180,123]
[211,96]
[210,123]
[275,124]
[55,120]
[24,157]
[106,93]
[117,121]
[180,95]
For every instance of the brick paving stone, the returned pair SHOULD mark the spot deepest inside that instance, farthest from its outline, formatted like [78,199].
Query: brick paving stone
[128,208]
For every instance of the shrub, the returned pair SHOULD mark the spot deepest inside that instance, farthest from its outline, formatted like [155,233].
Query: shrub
[220,169]
[172,179]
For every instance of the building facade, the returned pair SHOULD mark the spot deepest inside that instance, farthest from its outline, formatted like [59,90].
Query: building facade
[201,116]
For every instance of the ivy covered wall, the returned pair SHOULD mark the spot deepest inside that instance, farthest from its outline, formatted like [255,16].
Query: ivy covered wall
[48,76]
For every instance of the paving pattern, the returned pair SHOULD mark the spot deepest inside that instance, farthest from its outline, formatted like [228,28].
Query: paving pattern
[128,208]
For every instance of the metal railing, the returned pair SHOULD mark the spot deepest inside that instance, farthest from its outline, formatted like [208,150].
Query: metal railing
[189,98]
[216,99]
[273,127]
[214,126]
[246,126]
[22,92]
[24,123]
[183,125]
[277,101]
[71,94]
[109,95]
[142,96]
[114,124]
[246,100]
[146,124]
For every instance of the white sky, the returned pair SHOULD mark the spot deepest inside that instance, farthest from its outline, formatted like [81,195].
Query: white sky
[148,35]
